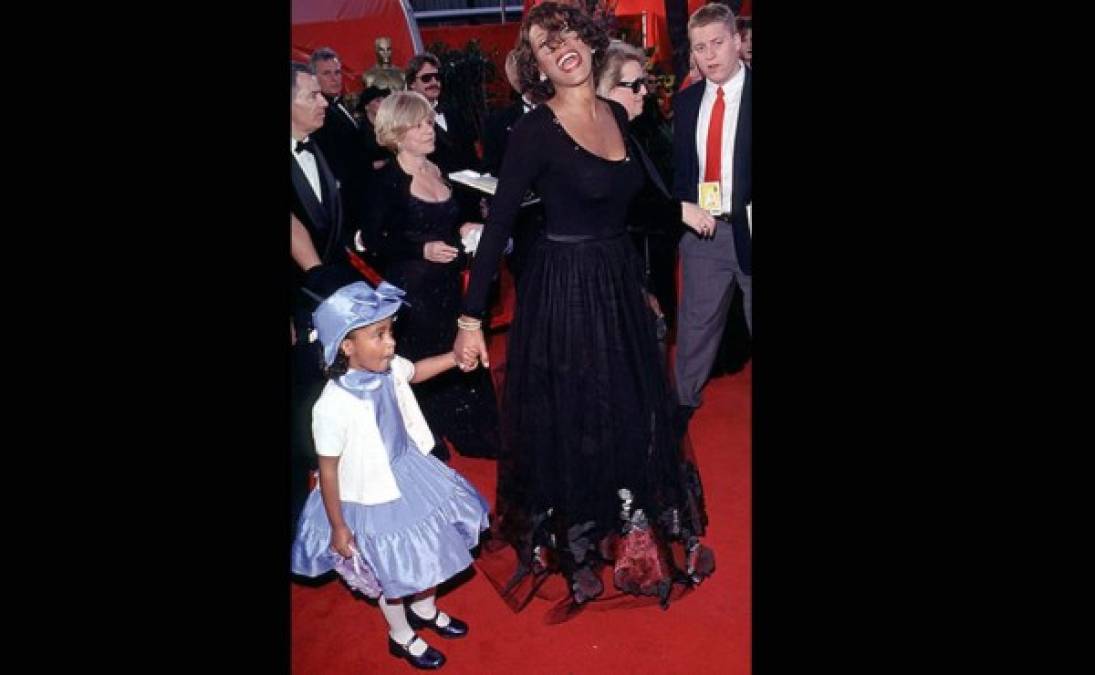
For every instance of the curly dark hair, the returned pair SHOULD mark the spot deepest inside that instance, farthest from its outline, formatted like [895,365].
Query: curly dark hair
[554,18]
[339,367]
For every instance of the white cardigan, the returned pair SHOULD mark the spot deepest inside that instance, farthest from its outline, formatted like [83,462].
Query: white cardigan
[344,426]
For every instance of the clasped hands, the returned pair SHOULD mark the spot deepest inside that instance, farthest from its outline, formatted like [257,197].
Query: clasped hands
[470,349]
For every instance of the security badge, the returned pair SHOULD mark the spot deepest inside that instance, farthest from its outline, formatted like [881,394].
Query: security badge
[711,197]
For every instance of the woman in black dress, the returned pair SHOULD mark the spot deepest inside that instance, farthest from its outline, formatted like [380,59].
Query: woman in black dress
[416,226]
[592,482]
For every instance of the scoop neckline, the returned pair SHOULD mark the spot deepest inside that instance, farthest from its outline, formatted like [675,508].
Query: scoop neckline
[427,201]
[559,123]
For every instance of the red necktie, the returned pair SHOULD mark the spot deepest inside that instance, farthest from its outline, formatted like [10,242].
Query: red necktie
[713,167]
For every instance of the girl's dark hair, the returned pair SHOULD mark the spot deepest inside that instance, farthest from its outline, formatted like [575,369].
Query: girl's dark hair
[339,367]
[554,17]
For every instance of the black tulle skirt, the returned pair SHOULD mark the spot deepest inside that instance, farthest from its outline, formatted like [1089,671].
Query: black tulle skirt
[592,481]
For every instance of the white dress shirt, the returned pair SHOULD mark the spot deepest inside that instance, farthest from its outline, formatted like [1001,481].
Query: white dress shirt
[439,117]
[307,162]
[731,92]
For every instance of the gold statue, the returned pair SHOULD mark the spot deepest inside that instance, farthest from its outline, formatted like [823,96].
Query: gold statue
[383,46]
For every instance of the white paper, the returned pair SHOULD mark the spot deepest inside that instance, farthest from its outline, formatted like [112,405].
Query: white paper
[471,239]
[483,182]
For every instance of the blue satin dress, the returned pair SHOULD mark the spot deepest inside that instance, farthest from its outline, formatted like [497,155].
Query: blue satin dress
[412,543]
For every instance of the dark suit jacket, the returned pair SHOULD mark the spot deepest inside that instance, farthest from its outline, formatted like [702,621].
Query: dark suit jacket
[686,165]
[496,135]
[455,148]
[349,158]
[324,224]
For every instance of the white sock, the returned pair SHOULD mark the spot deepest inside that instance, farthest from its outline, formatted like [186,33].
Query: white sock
[424,608]
[398,627]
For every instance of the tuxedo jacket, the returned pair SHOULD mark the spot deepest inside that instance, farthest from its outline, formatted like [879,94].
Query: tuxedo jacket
[686,165]
[496,135]
[454,148]
[349,158]
[325,226]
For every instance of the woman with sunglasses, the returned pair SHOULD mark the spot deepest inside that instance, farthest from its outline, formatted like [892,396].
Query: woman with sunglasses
[592,483]
[654,216]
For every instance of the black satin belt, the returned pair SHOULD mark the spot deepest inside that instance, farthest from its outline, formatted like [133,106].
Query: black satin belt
[581,238]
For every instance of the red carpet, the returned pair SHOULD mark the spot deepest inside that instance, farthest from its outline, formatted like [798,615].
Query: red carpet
[333,632]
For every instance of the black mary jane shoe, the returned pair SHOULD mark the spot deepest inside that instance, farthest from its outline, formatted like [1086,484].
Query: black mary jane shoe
[455,629]
[431,659]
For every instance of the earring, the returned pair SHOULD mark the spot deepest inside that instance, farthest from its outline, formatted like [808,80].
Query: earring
[542,76]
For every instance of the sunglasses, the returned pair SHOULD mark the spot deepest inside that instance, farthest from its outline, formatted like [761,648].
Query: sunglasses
[429,77]
[634,85]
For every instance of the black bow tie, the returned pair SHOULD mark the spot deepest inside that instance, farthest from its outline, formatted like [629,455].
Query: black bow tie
[308,145]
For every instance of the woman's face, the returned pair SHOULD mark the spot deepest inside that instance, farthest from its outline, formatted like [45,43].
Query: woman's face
[624,94]
[419,139]
[561,56]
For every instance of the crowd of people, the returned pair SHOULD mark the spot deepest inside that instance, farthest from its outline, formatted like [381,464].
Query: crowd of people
[595,481]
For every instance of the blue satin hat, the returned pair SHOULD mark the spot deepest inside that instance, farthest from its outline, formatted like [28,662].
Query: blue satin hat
[350,307]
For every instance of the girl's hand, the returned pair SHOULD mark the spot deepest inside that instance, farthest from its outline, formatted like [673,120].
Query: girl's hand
[698,219]
[341,538]
[465,362]
[439,252]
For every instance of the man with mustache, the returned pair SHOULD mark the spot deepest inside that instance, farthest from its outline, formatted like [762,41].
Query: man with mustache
[455,139]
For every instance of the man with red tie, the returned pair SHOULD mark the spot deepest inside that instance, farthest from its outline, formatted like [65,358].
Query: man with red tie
[712,153]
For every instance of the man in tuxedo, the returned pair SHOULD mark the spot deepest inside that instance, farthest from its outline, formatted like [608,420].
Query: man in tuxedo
[340,140]
[712,143]
[318,265]
[454,137]
[530,219]
[498,125]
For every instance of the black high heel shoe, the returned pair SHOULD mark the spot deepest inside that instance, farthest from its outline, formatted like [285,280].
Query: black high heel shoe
[431,659]
[455,629]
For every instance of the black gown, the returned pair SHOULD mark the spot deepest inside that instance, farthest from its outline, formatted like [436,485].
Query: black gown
[458,406]
[592,481]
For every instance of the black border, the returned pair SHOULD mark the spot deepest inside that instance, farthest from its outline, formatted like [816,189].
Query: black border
[849,300]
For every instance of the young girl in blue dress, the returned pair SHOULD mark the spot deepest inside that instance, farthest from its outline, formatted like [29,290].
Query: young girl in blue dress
[403,516]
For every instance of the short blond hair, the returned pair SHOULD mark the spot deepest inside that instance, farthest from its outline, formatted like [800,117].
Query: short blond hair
[712,13]
[398,113]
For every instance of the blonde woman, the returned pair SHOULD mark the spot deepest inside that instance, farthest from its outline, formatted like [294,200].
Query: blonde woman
[416,227]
